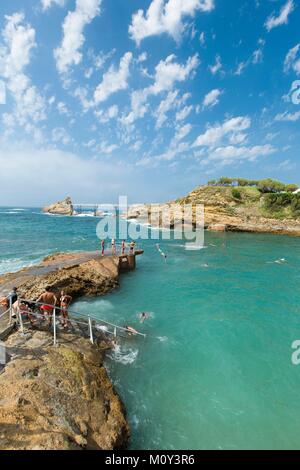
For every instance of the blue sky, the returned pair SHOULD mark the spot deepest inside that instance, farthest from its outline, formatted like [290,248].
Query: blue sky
[146,98]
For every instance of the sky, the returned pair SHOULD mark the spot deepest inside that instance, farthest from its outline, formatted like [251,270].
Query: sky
[145,98]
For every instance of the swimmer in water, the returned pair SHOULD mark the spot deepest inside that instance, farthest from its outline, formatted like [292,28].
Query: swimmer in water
[130,330]
[143,316]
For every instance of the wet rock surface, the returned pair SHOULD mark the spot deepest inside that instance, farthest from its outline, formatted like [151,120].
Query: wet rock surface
[58,397]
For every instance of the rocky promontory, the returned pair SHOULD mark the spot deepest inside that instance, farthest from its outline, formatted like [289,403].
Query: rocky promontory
[79,274]
[58,398]
[227,209]
[64,207]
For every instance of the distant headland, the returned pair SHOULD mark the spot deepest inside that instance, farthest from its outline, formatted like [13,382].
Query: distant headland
[230,204]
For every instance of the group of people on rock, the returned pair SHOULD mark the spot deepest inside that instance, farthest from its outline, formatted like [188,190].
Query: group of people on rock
[113,248]
[46,303]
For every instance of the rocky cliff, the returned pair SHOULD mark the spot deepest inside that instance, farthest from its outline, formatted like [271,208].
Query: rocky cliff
[64,207]
[58,398]
[224,211]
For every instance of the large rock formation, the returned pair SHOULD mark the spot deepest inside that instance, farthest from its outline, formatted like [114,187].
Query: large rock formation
[64,207]
[80,274]
[58,398]
[222,212]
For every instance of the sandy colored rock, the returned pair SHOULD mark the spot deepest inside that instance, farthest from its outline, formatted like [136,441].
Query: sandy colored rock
[58,398]
[64,207]
[222,212]
[80,274]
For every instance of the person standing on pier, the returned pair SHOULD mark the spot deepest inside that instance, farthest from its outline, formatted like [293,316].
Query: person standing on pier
[64,301]
[113,246]
[131,248]
[102,247]
[123,247]
[48,301]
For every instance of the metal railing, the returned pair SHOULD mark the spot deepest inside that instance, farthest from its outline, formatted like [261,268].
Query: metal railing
[90,321]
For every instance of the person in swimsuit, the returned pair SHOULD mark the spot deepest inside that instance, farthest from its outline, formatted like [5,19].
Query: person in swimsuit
[130,330]
[131,248]
[113,247]
[123,247]
[143,316]
[64,301]
[48,300]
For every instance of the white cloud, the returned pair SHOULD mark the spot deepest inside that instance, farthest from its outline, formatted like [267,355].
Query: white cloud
[73,39]
[60,135]
[182,132]
[106,148]
[217,66]
[164,107]
[167,73]
[230,154]
[229,128]
[274,21]
[62,108]
[202,38]
[105,116]
[46,4]
[15,55]
[165,17]
[114,80]
[183,113]
[288,117]
[291,61]
[212,98]
[240,68]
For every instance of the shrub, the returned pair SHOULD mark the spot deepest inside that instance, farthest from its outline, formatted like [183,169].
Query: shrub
[236,193]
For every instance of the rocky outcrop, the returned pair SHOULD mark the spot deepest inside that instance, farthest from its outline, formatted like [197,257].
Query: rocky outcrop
[222,212]
[64,207]
[80,274]
[58,398]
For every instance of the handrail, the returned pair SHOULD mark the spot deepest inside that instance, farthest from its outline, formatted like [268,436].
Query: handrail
[100,320]
[4,313]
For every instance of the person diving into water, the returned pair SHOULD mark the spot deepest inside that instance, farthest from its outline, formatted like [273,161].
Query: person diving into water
[161,252]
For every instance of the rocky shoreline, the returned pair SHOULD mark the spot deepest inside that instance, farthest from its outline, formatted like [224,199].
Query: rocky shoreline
[60,398]
[216,219]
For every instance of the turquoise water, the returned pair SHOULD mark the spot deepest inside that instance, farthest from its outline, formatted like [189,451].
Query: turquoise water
[214,371]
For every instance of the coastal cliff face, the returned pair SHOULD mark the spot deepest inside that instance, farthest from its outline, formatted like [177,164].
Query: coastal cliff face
[224,212]
[79,274]
[58,398]
[64,207]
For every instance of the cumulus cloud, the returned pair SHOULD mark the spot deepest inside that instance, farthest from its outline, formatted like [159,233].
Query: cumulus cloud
[230,154]
[167,73]
[46,4]
[212,98]
[282,18]
[114,79]
[68,53]
[15,55]
[165,17]
[229,129]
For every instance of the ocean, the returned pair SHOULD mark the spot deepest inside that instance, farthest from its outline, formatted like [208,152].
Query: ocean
[215,369]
